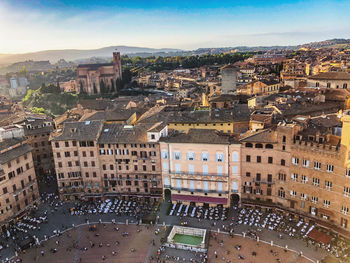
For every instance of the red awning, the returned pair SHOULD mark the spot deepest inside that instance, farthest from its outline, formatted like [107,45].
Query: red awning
[319,236]
[199,199]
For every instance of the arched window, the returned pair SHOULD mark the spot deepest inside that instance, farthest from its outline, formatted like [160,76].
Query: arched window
[281,193]
[268,146]
[248,145]
[235,157]
[258,145]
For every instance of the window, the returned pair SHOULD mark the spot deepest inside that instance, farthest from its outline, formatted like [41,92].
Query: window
[259,145]
[164,154]
[247,174]
[219,169]
[258,159]
[330,168]
[177,156]
[66,144]
[91,154]
[347,191]
[314,199]
[347,173]
[59,164]
[94,174]
[326,203]
[303,196]
[328,185]
[304,179]
[191,169]
[190,156]
[75,153]
[345,86]
[235,157]
[294,177]
[281,193]
[283,162]
[293,193]
[282,177]
[57,145]
[328,85]
[205,156]
[295,160]
[66,154]
[219,157]
[165,167]
[306,163]
[316,181]
[93,163]
[270,160]
[247,158]
[345,210]
[248,145]
[317,165]
[234,169]
[205,169]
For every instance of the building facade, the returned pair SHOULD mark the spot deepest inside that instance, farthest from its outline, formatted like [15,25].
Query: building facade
[329,80]
[96,78]
[196,168]
[18,186]
[94,159]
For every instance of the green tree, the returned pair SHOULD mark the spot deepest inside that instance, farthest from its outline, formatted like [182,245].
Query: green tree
[112,86]
[95,89]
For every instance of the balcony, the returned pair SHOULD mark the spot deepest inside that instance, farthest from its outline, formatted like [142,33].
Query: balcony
[263,182]
[26,186]
[196,174]
[199,190]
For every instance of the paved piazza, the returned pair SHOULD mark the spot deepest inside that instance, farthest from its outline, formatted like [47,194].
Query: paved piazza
[228,249]
[108,243]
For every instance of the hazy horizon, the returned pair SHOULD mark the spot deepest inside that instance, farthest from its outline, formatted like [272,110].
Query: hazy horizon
[34,25]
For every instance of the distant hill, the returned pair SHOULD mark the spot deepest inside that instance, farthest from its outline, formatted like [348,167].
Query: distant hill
[331,43]
[106,53]
[76,54]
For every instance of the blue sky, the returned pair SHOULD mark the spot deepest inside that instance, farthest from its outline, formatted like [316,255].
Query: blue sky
[31,25]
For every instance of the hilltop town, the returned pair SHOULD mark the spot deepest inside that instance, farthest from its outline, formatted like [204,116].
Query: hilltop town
[180,140]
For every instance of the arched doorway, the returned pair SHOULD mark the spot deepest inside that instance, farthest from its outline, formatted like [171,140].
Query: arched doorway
[167,195]
[235,199]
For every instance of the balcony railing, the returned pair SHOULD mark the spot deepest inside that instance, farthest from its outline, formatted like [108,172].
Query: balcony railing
[197,174]
[262,181]
[199,190]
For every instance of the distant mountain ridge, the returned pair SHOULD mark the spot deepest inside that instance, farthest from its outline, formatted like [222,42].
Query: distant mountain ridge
[106,52]
[76,54]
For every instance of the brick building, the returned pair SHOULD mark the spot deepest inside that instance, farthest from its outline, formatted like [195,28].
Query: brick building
[18,186]
[94,159]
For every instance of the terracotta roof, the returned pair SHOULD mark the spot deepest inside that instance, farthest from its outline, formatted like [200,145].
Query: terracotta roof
[208,136]
[79,131]
[331,76]
[265,136]
[12,153]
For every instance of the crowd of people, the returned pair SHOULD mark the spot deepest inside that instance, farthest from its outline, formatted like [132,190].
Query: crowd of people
[199,212]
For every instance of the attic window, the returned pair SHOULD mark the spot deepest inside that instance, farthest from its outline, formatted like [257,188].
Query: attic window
[87,122]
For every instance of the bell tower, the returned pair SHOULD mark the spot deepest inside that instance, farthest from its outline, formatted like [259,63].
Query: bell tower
[117,65]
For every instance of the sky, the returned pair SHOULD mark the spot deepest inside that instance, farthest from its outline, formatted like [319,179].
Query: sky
[34,25]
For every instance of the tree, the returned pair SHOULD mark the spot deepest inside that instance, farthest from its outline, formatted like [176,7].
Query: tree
[118,85]
[102,87]
[112,86]
[95,89]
